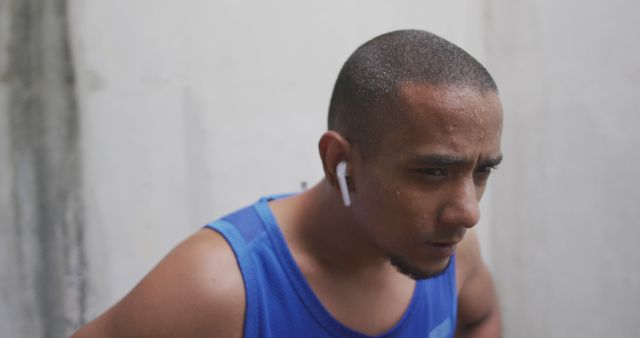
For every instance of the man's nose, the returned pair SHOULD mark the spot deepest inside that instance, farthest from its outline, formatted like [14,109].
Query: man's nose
[462,208]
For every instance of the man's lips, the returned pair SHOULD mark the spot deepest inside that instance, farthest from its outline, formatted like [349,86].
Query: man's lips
[442,249]
[443,243]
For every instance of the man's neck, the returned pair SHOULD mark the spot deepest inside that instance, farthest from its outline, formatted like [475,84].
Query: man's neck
[349,274]
[319,227]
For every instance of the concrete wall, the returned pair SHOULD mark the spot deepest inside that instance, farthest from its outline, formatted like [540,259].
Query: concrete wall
[187,110]
[43,277]
[565,203]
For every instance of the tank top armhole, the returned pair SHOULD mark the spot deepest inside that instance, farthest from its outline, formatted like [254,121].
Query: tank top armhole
[236,242]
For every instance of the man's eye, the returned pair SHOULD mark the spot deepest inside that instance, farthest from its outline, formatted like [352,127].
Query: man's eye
[433,171]
[485,171]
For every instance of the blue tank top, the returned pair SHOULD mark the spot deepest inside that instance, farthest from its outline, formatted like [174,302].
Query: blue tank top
[281,304]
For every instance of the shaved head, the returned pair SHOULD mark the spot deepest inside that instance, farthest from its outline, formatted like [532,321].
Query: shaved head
[366,94]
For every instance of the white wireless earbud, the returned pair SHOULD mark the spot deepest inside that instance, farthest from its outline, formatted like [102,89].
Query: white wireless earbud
[341,172]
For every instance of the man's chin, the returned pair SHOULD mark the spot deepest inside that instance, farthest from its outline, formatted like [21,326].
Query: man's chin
[419,271]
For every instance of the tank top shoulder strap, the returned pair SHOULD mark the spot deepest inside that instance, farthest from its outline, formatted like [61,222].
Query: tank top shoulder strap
[240,229]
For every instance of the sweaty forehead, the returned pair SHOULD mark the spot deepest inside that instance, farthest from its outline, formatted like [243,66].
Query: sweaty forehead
[449,104]
[458,118]
[445,109]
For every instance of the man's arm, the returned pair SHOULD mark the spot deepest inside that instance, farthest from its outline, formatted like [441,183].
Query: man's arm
[478,311]
[196,291]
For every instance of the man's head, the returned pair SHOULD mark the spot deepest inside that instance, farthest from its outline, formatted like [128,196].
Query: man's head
[366,93]
[419,122]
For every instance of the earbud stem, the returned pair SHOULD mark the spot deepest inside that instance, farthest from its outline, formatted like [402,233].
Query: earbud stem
[341,172]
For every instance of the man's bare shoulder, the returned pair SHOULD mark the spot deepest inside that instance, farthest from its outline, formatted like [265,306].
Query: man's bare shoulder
[195,291]
[468,258]
[478,312]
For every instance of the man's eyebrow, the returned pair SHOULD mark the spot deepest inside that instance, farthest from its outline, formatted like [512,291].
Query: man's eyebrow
[492,162]
[453,160]
[440,159]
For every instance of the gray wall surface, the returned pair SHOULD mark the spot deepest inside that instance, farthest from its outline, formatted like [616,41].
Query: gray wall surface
[43,279]
[126,125]
[565,203]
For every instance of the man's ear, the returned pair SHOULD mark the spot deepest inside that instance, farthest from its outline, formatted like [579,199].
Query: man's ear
[334,148]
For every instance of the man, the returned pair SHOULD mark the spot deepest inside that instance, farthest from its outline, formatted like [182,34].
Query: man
[417,123]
